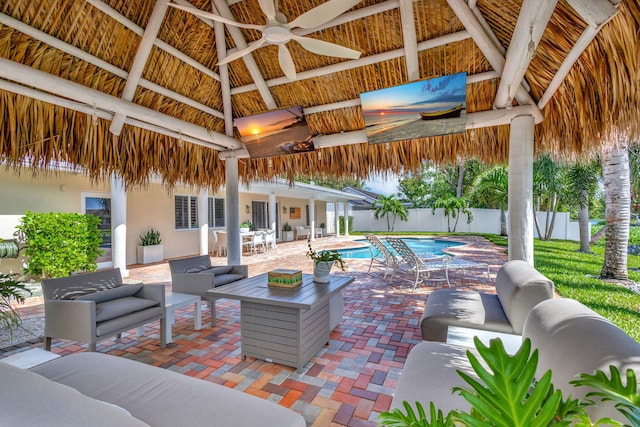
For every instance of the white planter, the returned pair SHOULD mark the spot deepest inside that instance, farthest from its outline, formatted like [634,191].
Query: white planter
[321,271]
[287,236]
[150,254]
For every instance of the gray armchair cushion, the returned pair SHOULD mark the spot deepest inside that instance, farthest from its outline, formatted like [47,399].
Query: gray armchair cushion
[190,265]
[71,287]
[219,270]
[121,307]
[111,294]
[226,278]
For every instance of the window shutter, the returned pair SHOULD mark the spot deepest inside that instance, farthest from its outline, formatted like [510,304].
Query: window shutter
[219,213]
[193,211]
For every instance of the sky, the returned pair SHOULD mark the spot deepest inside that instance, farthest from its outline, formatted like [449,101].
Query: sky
[384,185]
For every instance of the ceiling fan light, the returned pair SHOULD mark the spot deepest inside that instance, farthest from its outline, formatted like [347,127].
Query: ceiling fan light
[276,34]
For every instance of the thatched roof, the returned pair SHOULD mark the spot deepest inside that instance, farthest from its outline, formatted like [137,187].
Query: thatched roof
[93,43]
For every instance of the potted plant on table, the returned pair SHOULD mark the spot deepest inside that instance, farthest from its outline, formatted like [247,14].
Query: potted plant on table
[287,233]
[150,248]
[323,261]
[245,226]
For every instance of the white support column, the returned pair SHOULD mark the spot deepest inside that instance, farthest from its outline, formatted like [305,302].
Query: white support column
[272,211]
[312,217]
[203,218]
[234,247]
[336,207]
[346,219]
[521,189]
[119,224]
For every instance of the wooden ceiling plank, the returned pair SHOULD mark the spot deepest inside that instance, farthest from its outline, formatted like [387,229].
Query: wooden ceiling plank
[409,39]
[140,60]
[532,22]
[85,56]
[493,55]
[26,75]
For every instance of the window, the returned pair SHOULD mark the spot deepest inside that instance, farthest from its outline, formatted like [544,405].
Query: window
[260,214]
[186,212]
[216,212]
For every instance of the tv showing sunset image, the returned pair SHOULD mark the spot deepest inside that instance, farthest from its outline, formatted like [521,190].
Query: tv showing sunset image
[415,110]
[275,133]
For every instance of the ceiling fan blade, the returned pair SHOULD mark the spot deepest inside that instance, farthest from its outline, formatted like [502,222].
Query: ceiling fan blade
[286,62]
[268,8]
[325,48]
[322,14]
[214,17]
[242,52]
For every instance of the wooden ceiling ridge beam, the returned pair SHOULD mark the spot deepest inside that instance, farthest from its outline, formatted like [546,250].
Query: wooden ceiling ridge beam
[109,11]
[490,51]
[41,80]
[140,60]
[532,21]
[355,63]
[85,56]
[597,13]
[97,112]
[409,38]
[477,120]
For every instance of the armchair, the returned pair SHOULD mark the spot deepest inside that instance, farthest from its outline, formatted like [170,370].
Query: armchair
[196,275]
[302,232]
[92,306]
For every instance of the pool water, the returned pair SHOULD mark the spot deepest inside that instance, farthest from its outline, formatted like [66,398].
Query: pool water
[420,246]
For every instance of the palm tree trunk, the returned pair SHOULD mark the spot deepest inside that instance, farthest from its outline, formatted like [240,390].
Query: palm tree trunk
[537,224]
[599,235]
[503,222]
[554,203]
[615,170]
[583,223]
[460,183]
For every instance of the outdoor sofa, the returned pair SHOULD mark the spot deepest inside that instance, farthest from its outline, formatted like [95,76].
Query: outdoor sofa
[519,288]
[571,339]
[195,275]
[99,390]
[92,306]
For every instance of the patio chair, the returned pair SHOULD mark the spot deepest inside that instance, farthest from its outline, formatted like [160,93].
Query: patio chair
[256,242]
[412,263]
[302,232]
[220,242]
[270,240]
[384,257]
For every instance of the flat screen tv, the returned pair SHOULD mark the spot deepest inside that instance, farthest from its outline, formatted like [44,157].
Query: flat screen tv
[275,133]
[415,110]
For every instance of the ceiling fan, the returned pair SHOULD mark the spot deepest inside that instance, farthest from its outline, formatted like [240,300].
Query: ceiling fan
[278,31]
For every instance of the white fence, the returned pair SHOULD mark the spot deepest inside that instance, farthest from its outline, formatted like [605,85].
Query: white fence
[484,221]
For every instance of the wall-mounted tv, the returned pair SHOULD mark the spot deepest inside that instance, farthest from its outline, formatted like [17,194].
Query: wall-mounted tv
[415,110]
[275,133]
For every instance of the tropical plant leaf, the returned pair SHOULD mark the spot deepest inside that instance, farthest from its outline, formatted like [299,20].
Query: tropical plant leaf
[624,397]
[397,418]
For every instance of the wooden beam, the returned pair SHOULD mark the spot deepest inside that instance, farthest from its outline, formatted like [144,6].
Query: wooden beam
[225,84]
[594,12]
[140,60]
[109,11]
[410,41]
[91,110]
[489,50]
[355,63]
[532,22]
[26,75]
[81,54]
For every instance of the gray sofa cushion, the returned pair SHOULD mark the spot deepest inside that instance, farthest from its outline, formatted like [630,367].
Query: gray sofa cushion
[226,278]
[190,265]
[163,398]
[129,321]
[111,294]
[28,399]
[219,270]
[120,307]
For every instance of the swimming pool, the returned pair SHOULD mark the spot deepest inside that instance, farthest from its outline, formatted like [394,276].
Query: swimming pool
[418,245]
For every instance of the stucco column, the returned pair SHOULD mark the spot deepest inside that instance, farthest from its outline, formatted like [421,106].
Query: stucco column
[119,224]
[312,218]
[234,247]
[336,208]
[272,211]
[346,219]
[521,189]
[203,220]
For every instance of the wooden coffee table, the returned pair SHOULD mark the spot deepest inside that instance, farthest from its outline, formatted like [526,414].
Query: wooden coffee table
[285,326]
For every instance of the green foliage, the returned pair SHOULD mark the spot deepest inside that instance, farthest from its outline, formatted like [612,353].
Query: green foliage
[286,227]
[453,207]
[415,189]
[10,291]
[150,238]
[625,398]
[506,394]
[391,208]
[60,243]
[325,256]
[330,182]
[634,234]
[490,189]
[349,221]
[246,224]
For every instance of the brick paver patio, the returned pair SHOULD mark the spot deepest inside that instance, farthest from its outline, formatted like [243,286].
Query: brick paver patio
[348,383]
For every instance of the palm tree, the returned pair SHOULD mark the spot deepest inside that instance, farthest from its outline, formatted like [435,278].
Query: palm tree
[582,181]
[617,193]
[453,207]
[491,189]
[548,184]
[389,206]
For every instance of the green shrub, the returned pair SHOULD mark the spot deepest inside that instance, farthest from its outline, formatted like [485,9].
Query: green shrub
[342,224]
[57,244]
[150,238]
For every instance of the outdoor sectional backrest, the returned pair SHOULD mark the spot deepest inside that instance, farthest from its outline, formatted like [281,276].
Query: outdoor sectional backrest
[190,265]
[72,287]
